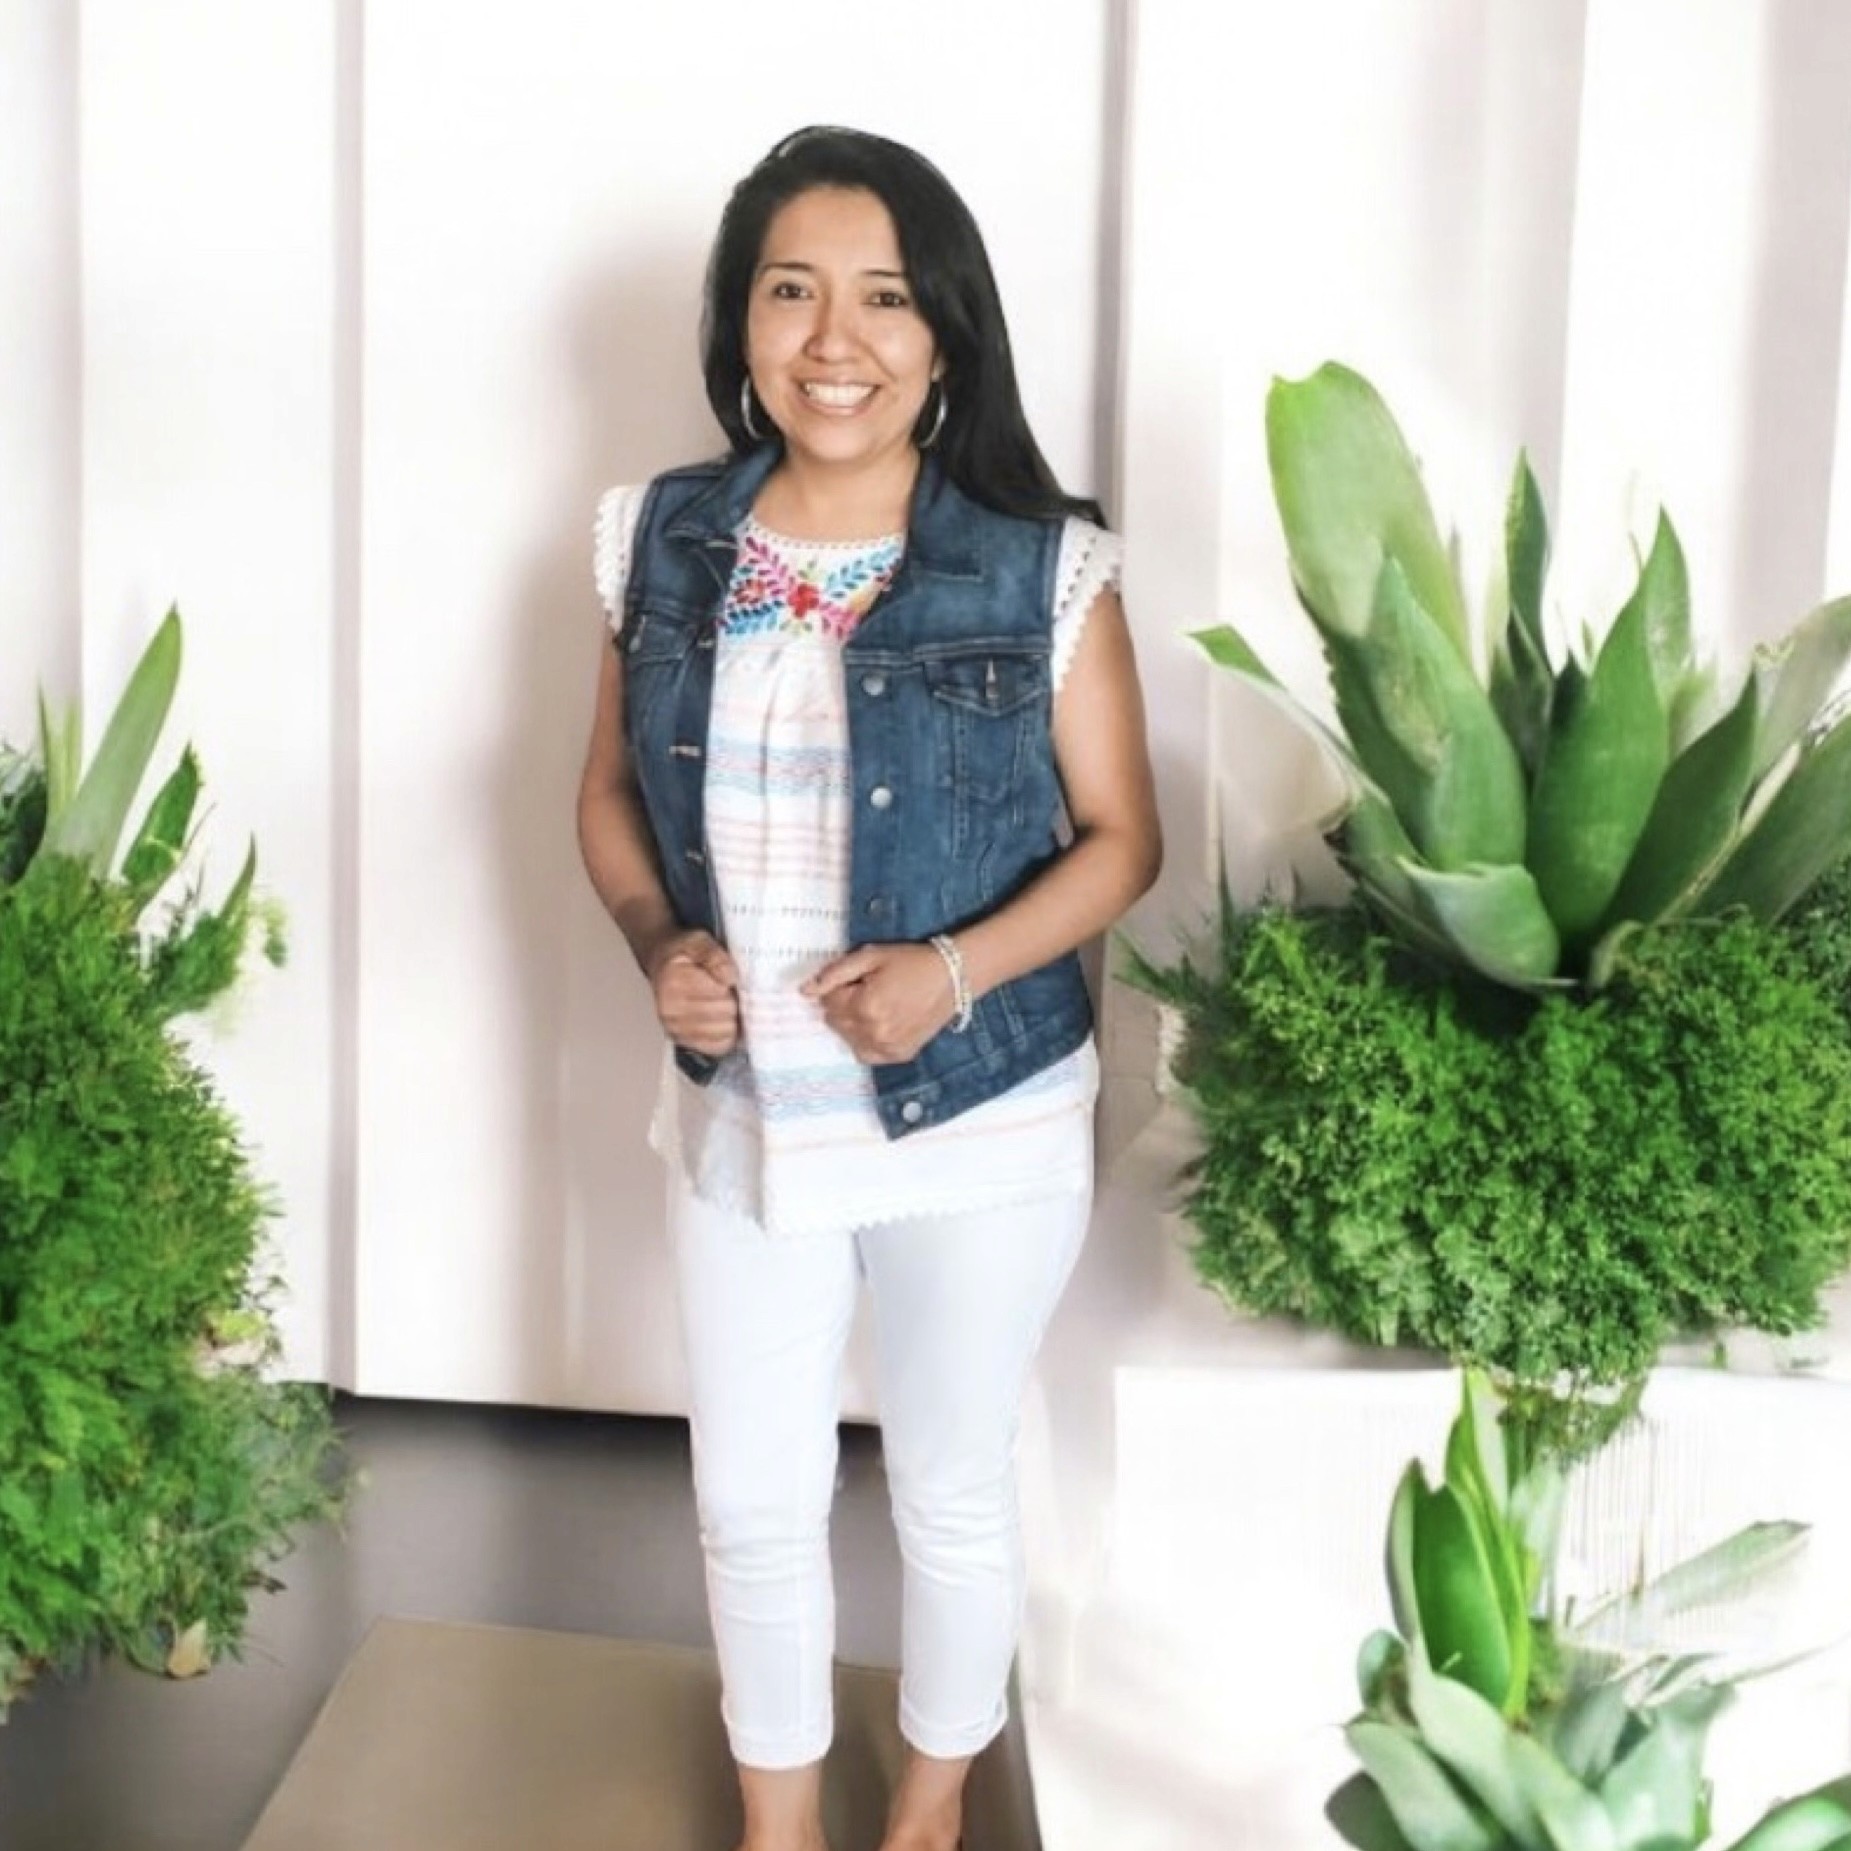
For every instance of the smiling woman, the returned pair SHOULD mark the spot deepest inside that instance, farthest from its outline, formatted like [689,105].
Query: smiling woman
[861,667]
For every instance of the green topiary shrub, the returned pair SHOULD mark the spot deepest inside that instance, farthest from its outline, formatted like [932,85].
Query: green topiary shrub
[1551,1186]
[149,1470]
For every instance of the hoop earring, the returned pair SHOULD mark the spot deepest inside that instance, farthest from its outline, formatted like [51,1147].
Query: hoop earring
[938,423]
[745,410]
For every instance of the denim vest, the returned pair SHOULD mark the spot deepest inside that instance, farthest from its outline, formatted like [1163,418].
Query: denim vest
[952,764]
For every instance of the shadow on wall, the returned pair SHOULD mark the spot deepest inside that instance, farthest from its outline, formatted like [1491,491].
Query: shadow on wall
[595,1317]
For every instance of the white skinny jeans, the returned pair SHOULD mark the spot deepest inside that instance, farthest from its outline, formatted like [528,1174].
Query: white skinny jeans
[960,1304]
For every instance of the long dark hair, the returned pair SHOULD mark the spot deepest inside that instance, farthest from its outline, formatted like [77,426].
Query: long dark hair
[986,447]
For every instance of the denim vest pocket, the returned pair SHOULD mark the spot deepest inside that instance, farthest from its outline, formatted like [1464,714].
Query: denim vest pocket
[987,705]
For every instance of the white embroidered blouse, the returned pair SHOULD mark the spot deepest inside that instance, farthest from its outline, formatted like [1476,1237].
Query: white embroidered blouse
[786,1132]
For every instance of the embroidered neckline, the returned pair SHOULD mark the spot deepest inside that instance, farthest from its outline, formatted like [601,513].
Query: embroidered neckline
[791,543]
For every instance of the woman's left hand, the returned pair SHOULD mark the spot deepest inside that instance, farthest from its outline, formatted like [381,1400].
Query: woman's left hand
[885,1001]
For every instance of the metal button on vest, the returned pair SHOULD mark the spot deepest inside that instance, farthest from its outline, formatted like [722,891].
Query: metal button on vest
[912,1111]
[881,797]
[874,684]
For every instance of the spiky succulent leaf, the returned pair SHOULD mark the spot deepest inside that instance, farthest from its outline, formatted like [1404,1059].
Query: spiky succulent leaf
[1522,680]
[1804,832]
[1815,1821]
[1378,1664]
[1494,920]
[1427,1807]
[1403,1594]
[1462,1617]
[90,825]
[1697,706]
[1725,1571]
[1655,1792]
[1472,1741]
[61,752]
[1586,1732]
[160,843]
[1227,648]
[1606,756]
[1359,1816]
[1538,1497]
[1426,734]
[1375,851]
[1475,1453]
[1662,598]
[1694,818]
[1796,675]
[1350,497]
[1573,1818]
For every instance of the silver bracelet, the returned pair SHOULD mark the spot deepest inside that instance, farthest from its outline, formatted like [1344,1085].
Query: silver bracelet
[946,947]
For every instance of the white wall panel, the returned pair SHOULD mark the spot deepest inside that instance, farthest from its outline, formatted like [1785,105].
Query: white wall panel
[39,377]
[207,308]
[540,189]
[1403,205]
[1707,303]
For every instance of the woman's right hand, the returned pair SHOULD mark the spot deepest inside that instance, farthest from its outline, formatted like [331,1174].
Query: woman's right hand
[696,987]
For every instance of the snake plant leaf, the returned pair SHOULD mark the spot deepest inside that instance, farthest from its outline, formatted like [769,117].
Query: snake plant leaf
[1426,733]
[1462,1619]
[1522,680]
[1494,919]
[1227,648]
[1796,675]
[1694,817]
[160,843]
[1403,1594]
[1816,1821]
[1805,831]
[1350,497]
[90,825]
[1427,1807]
[1472,1741]
[1655,1792]
[1606,756]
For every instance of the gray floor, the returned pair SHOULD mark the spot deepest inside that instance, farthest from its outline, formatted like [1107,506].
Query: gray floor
[571,1522]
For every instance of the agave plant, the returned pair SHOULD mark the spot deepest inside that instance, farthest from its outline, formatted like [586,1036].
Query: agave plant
[1490,1723]
[57,808]
[1521,817]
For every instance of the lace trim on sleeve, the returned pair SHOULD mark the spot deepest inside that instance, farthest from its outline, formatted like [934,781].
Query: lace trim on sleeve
[1091,561]
[613,534]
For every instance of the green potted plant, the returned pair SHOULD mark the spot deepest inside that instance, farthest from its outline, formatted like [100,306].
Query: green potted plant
[1569,1073]
[150,1469]
[1566,1077]
[1494,1721]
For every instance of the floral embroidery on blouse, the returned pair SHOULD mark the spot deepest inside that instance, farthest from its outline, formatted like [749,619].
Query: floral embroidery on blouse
[815,591]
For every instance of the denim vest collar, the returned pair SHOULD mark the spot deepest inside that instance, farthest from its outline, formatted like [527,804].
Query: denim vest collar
[941,540]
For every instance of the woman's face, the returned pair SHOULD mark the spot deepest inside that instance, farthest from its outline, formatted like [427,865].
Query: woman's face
[840,357]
